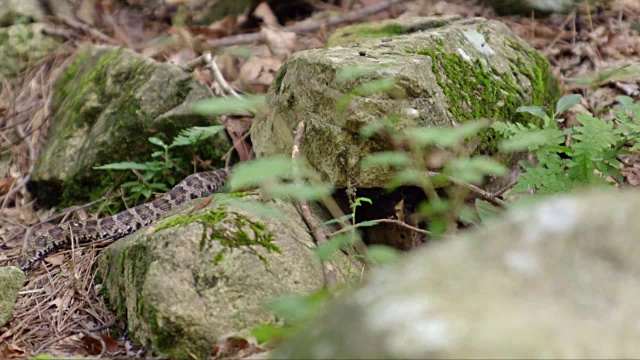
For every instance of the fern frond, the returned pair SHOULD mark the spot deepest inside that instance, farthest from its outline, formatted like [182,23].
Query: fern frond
[194,134]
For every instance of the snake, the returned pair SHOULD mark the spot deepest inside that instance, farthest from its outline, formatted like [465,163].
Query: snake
[123,223]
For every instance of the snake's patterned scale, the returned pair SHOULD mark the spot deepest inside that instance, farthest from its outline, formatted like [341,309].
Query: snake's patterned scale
[124,223]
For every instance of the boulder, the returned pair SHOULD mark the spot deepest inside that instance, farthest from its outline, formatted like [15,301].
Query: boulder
[180,289]
[445,75]
[105,106]
[559,279]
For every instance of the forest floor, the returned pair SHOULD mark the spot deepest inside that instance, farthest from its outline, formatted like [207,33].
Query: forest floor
[594,52]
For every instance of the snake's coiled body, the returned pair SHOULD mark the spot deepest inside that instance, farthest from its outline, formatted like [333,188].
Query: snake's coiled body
[124,223]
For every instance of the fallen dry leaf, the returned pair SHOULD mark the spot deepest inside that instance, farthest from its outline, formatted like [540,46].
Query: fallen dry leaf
[281,43]
[235,347]
[11,351]
[632,174]
[94,347]
[56,260]
[5,184]
[258,72]
[201,205]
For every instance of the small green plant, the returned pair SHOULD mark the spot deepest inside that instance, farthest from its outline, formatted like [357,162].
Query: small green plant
[158,175]
[410,168]
[590,157]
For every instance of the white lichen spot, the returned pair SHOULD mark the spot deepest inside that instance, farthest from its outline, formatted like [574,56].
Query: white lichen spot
[421,337]
[464,55]
[434,334]
[397,311]
[479,42]
[392,73]
[414,113]
[409,326]
[560,215]
[323,350]
[524,263]
[557,216]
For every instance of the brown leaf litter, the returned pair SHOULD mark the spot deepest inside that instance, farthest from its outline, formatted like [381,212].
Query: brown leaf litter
[60,310]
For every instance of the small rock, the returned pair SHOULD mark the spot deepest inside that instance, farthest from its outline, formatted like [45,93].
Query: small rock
[11,279]
[21,45]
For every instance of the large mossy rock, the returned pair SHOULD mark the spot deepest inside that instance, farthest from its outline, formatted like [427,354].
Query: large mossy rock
[23,45]
[560,279]
[179,294]
[105,106]
[444,76]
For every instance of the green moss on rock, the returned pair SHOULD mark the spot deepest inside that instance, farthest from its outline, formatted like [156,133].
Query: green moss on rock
[443,76]
[106,105]
[178,298]
[23,45]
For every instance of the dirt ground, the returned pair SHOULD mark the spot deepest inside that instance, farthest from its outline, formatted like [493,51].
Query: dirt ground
[594,51]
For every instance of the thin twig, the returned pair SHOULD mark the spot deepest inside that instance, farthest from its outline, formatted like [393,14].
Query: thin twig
[62,337]
[88,30]
[117,30]
[391,221]
[56,31]
[328,271]
[474,189]
[16,113]
[505,188]
[213,67]
[314,225]
[11,222]
[193,64]
[306,27]
[50,342]
[227,156]
[210,62]
[561,31]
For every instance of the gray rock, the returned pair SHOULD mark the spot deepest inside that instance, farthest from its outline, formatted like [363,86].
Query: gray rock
[22,45]
[560,279]
[106,105]
[11,279]
[444,76]
[179,299]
